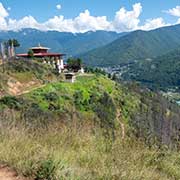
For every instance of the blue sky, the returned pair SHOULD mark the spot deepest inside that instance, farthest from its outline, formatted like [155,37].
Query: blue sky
[41,11]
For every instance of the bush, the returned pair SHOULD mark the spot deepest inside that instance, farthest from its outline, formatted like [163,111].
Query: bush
[12,102]
[52,96]
[74,64]
[106,111]
[80,102]
[46,170]
[34,117]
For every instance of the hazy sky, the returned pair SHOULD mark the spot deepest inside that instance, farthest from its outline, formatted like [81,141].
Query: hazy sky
[85,15]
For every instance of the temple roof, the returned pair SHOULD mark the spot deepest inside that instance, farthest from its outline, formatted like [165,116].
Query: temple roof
[41,51]
[42,55]
[40,47]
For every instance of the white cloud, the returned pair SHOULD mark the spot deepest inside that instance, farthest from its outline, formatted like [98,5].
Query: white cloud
[58,6]
[86,22]
[153,24]
[26,22]
[178,21]
[3,11]
[174,11]
[9,8]
[3,14]
[82,23]
[124,20]
[3,24]
[58,23]
[127,20]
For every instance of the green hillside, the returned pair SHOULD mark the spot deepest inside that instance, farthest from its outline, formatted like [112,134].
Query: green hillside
[137,45]
[162,72]
[94,128]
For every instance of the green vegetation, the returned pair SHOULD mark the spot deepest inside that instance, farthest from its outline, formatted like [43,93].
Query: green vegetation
[95,71]
[162,72]
[89,95]
[30,53]
[135,46]
[10,43]
[13,42]
[74,152]
[94,128]
[74,64]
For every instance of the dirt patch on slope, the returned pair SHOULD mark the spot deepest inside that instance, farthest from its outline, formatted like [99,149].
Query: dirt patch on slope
[16,88]
[7,173]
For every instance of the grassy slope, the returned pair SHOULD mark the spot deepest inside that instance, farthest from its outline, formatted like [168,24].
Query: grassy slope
[85,98]
[70,131]
[74,153]
[19,76]
[79,149]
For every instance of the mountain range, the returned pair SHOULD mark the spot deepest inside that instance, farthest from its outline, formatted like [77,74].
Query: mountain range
[102,48]
[135,46]
[64,42]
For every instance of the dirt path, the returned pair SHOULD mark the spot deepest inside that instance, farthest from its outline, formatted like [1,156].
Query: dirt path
[9,174]
[118,116]
[32,89]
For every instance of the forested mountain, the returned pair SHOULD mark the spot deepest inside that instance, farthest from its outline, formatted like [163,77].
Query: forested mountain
[69,43]
[160,72]
[135,46]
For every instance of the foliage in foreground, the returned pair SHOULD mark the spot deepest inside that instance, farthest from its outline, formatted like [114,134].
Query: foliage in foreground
[104,102]
[72,131]
[75,152]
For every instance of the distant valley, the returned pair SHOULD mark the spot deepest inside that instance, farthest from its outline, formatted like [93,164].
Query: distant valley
[135,46]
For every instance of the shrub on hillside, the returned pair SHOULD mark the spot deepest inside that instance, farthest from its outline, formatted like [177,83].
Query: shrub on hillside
[106,111]
[46,170]
[35,117]
[51,96]
[11,102]
[80,101]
